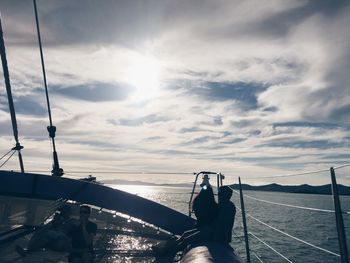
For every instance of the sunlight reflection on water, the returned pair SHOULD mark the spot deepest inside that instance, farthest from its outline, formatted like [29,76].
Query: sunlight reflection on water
[316,228]
[135,189]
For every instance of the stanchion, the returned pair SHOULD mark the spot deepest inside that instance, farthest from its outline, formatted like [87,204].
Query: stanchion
[244,221]
[339,220]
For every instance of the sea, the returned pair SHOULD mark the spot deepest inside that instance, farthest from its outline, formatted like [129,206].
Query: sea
[317,228]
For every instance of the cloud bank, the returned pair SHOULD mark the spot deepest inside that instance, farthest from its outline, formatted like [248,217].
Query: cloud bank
[181,86]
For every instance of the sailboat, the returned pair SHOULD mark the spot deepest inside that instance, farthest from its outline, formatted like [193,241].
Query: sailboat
[28,200]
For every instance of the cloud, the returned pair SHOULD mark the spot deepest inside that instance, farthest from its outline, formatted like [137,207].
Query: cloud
[262,89]
[244,93]
[319,144]
[307,124]
[281,23]
[152,118]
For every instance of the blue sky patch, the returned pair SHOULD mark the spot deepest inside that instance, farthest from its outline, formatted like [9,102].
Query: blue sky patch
[95,91]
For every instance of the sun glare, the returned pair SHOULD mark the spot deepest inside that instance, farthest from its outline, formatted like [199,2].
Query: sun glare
[135,189]
[144,76]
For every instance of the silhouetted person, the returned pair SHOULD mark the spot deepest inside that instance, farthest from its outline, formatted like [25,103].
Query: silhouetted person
[51,236]
[226,216]
[205,209]
[68,222]
[82,236]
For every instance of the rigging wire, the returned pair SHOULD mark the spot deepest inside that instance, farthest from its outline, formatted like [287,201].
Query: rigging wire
[293,237]
[42,63]
[191,173]
[57,171]
[6,73]
[270,248]
[117,172]
[7,159]
[6,154]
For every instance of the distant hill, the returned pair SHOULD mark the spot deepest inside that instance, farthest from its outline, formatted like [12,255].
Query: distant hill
[127,182]
[304,188]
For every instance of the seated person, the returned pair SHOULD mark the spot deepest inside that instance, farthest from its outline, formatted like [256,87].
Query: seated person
[226,217]
[82,236]
[205,209]
[51,236]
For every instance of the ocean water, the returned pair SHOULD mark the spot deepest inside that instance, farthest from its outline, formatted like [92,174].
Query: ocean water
[317,228]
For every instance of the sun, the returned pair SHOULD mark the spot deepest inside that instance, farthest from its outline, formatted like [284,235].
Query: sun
[144,75]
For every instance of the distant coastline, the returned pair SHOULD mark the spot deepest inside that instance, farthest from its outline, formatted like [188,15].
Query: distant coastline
[127,182]
[297,189]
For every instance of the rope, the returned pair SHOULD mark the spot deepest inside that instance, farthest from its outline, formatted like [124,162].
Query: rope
[274,250]
[7,159]
[293,237]
[6,154]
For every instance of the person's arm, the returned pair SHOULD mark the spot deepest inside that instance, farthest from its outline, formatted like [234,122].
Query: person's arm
[88,234]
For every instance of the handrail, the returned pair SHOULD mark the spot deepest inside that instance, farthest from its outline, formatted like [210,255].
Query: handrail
[298,174]
[341,166]
[339,219]
[288,175]
[219,176]
[287,205]
[244,221]
[338,212]
[293,237]
[270,247]
[257,257]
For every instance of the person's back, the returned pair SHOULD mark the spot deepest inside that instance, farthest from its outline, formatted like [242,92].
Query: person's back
[205,208]
[51,236]
[226,217]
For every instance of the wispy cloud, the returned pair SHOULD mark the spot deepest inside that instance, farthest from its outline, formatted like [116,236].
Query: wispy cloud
[182,86]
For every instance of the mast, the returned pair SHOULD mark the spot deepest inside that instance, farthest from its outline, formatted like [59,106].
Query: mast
[56,170]
[18,146]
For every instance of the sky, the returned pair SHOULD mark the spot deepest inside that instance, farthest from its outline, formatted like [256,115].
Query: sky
[145,87]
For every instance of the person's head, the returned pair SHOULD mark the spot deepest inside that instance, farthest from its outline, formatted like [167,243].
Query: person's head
[205,196]
[65,211]
[57,220]
[224,194]
[85,211]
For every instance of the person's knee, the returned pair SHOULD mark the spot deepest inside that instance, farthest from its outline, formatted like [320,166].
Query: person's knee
[62,245]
